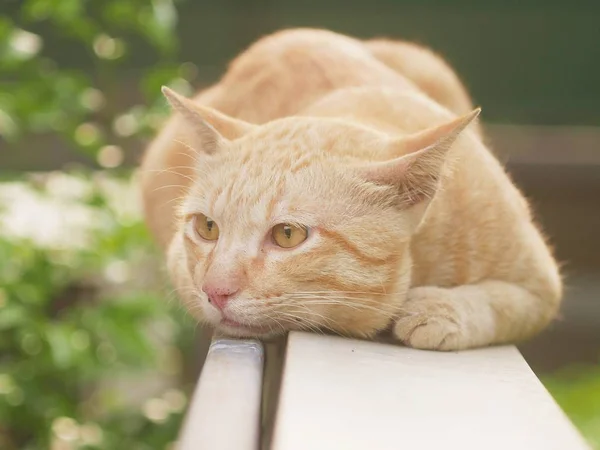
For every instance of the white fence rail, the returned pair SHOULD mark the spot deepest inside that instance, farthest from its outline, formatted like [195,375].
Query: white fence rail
[346,394]
[224,413]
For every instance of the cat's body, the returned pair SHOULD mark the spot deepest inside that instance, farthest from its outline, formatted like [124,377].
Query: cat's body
[355,147]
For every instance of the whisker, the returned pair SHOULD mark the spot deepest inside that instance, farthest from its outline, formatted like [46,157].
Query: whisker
[186,145]
[167,186]
[304,322]
[327,322]
[360,300]
[350,301]
[171,171]
[174,199]
[343,292]
[345,303]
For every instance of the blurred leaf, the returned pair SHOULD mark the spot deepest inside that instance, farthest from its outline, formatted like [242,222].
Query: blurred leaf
[64,10]
[154,19]
[68,14]
[12,316]
[60,346]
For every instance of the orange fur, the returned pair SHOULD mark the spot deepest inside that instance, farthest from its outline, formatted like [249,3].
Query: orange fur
[413,223]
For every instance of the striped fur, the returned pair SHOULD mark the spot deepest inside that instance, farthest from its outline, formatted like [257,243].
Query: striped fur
[414,225]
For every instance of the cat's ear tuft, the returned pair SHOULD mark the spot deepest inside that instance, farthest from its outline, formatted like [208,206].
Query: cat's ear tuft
[212,127]
[417,170]
[438,138]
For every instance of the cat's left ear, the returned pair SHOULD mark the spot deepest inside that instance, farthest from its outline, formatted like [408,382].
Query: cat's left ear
[212,127]
[417,173]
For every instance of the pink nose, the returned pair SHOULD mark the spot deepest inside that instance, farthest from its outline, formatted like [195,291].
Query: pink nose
[219,295]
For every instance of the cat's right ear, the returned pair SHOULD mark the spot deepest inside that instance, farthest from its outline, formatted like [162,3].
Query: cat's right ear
[210,126]
[417,172]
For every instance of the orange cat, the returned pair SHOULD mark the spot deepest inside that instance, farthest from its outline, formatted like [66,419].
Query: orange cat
[331,184]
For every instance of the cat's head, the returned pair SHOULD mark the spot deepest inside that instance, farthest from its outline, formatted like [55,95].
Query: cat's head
[285,225]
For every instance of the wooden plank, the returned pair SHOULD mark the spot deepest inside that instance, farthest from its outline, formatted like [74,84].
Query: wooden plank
[347,394]
[544,145]
[224,413]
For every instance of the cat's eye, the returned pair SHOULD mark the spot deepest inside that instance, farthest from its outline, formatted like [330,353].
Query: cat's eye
[205,227]
[286,235]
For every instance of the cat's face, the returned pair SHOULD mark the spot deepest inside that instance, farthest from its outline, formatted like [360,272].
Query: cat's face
[283,229]
[292,238]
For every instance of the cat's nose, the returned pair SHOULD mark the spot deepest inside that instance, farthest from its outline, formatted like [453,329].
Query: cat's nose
[219,294]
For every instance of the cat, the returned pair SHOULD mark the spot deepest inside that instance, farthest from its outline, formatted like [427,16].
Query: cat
[331,184]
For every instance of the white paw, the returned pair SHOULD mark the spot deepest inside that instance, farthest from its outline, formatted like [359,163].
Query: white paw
[429,320]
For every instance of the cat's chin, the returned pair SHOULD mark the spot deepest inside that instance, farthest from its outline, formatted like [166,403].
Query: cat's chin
[235,329]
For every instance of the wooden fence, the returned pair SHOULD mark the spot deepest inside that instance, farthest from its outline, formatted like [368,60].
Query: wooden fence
[328,393]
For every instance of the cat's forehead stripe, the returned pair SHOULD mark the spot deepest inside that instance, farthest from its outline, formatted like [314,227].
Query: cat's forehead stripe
[250,198]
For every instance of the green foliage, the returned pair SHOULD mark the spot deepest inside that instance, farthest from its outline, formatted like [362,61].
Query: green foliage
[90,352]
[83,324]
[39,93]
[577,391]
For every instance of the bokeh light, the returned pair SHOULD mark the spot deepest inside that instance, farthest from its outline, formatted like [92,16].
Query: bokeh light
[25,43]
[87,134]
[65,428]
[92,99]
[156,410]
[107,47]
[126,124]
[110,156]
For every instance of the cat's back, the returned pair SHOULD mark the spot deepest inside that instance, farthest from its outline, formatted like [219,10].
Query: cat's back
[283,73]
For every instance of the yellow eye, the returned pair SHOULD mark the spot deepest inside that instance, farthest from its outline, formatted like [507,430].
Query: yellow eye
[286,235]
[206,227]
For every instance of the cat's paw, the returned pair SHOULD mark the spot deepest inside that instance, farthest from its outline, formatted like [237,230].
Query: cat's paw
[429,320]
